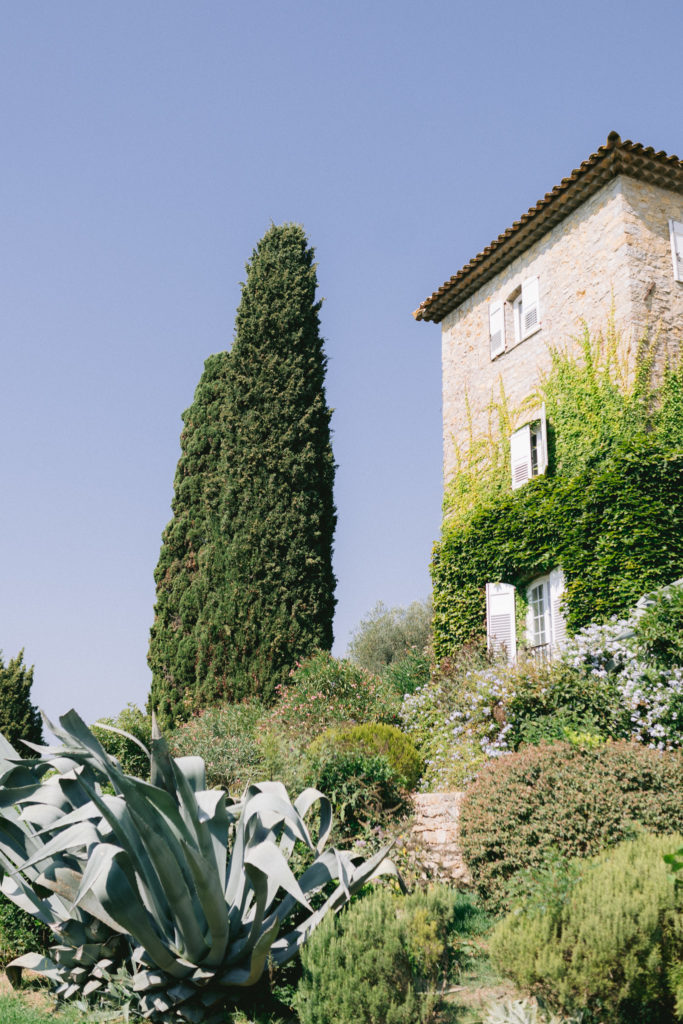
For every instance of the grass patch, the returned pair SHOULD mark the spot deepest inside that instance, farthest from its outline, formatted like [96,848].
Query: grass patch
[14,1009]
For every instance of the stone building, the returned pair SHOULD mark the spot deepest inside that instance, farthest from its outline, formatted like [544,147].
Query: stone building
[608,238]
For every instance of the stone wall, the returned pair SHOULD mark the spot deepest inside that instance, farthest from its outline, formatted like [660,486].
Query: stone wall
[614,250]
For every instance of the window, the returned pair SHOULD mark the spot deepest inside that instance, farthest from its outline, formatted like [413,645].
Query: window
[676,233]
[529,450]
[546,630]
[524,306]
[519,316]
[545,627]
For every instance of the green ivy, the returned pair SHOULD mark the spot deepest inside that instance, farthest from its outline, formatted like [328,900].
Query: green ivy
[609,510]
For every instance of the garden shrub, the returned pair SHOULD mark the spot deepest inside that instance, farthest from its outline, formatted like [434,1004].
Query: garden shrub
[383,960]
[361,787]
[130,756]
[613,944]
[386,635]
[577,799]
[227,739]
[372,738]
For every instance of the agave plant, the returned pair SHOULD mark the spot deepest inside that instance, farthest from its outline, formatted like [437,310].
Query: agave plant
[188,890]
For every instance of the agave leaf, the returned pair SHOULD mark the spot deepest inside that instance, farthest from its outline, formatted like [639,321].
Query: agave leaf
[21,894]
[242,947]
[32,962]
[210,893]
[274,867]
[212,809]
[194,772]
[186,910]
[242,976]
[81,835]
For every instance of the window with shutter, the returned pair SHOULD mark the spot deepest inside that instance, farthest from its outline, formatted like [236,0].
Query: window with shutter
[676,232]
[496,329]
[529,450]
[501,633]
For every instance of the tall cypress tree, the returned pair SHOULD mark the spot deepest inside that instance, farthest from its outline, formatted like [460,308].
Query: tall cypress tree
[244,582]
[278,510]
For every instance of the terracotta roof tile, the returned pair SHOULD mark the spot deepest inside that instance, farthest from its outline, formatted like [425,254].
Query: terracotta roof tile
[614,158]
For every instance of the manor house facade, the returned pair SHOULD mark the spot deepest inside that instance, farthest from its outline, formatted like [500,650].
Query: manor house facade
[607,239]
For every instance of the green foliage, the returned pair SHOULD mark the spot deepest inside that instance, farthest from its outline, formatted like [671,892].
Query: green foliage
[227,740]
[19,718]
[19,932]
[131,757]
[578,799]
[616,530]
[188,894]
[361,787]
[408,673]
[324,691]
[608,511]
[658,633]
[244,580]
[383,959]
[386,635]
[372,738]
[610,945]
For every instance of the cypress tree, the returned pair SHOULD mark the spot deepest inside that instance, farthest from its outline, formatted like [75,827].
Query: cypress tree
[278,510]
[19,718]
[244,583]
[187,623]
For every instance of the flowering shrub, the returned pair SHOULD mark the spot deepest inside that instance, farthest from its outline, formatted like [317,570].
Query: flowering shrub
[641,657]
[491,711]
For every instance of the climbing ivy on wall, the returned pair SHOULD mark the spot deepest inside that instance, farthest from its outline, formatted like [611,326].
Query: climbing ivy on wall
[609,511]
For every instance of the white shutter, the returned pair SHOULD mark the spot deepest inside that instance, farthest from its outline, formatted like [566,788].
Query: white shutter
[676,232]
[559,626]
[520,456]
[531,317]
[543,450]
[501,633]
[496,328]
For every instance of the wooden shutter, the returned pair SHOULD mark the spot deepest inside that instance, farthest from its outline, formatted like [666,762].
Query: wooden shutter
[531,317]
[501,632]
[520,456]
[496,328]
[558,624]
[676,232]
[543,450]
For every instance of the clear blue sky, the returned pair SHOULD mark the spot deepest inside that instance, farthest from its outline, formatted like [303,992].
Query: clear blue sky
[146,148]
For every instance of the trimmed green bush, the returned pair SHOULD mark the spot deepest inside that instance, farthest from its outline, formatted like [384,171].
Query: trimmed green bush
[576,799]
[372,738]
[382,960]
[613,944]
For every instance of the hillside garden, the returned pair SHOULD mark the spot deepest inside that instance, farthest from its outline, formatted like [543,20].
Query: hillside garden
[573,779]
